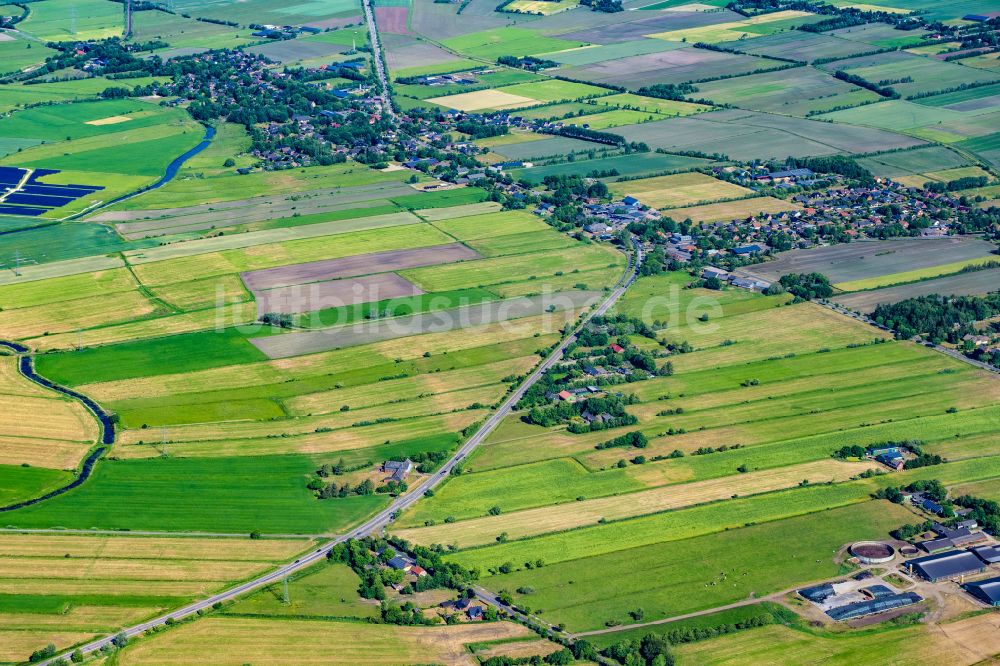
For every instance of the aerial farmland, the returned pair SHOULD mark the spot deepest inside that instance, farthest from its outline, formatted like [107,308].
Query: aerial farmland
[490,333]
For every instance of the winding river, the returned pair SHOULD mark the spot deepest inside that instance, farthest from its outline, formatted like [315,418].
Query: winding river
[26,363]
[168,175]
[26,366]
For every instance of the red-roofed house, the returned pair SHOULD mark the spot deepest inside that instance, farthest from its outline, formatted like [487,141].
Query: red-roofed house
[618,349]
[418,571]
[565,395]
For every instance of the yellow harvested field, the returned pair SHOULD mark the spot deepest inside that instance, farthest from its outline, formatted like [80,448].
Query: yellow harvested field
[682,189]
[483,99]
[39,427]
[112,565]
[114,587]
[300,643]
[166,548]
[57,269]
[518,524]
[75,314]
[438,214]
[543,7]
[863,6]
[110,120]
[970,641]
[109,569]
[78,618]
[12,382]
[973,640]
[731,210]
[16,646]
[38,452]
[431,385]
[345,439]
[724,32]
[46,418]
[514,136]
[540,647]
[319,364]
[422,415]
[232,315]
[72,287]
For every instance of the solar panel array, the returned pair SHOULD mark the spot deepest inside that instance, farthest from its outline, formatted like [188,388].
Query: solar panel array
[35,198]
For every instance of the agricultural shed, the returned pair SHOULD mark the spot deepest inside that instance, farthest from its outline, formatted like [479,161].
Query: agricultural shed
[980,18]
[964,537]
[943,566]
[988,554]
[879,591]
[936,545]
[987,591]
[817,593]
[788,174]
[877,605]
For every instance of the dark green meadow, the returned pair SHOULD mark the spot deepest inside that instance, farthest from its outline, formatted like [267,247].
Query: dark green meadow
[237,494]
[17,482]
[157,356]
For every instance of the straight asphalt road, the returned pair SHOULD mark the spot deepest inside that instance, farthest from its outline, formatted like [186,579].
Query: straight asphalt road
[380,521]
[379,58]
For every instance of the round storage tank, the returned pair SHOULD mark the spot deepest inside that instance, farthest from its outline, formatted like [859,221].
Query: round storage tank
[873,552]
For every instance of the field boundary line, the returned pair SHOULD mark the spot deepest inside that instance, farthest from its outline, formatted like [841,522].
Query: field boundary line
[378,522]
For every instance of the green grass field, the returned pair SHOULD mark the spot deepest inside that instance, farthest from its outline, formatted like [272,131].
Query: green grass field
[594,522]
[554,90]
[246,494]
[607,119]
[121,156]
[672,579]
[190,190]
[329,590]
[626,165]
[16,95]
[87,19]
[912,276]
[491,44]
[19,483]
[186,353]
[19,53]
[145,308]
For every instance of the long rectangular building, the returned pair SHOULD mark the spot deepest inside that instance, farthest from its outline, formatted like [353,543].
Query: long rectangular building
[944,566]
[988,591]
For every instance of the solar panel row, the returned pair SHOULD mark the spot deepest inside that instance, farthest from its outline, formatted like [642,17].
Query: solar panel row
[35,198]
